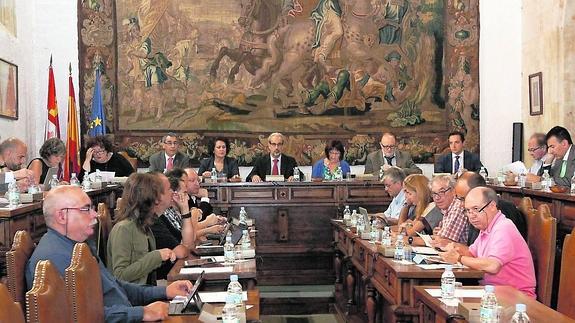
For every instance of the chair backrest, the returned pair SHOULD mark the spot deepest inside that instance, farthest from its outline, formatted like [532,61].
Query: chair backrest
[84,287]
[526,207]
[47,301]
[566,296]
[11,311]
[133,161]
[542,243]
[16,258]
[104,228]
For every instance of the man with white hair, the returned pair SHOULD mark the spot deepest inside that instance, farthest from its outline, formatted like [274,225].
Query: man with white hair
[274,163]
[453,226]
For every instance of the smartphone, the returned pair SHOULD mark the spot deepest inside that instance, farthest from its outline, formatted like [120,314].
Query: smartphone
[198,262]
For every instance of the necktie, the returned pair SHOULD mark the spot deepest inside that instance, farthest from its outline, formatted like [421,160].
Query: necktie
[456,165]
[563,168]
[389,159]
[275,170]
[170,163]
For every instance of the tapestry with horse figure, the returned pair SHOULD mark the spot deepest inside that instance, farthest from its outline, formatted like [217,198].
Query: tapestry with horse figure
[314,70]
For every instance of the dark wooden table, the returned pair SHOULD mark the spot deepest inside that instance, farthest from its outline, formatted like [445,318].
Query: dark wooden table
[246,271]
[432,309]
[376,288]
[252,314]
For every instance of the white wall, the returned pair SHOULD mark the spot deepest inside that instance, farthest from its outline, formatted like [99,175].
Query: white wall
[44,27]
[499,79]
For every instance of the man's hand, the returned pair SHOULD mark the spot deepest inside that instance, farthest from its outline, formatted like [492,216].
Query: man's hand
[181,251]
[23,173]
[532,178]
[236,179]
[178,288]
[450,256]
[202,193]
[167,254]
[290,179]
[212,219]
[256,179]
[156,311]
[23,184]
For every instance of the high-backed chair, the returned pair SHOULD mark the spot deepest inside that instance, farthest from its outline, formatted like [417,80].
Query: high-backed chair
[84,287]
[16,258]
[526,207]
[47,301]
[566,297]
[104,228]
[133,161]
[11,311]
[542,240]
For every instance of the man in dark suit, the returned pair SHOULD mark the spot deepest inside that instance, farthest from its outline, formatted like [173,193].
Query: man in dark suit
[561,147]
[198,196]
[170,157]
[389,156]
[275,163]
[452,162]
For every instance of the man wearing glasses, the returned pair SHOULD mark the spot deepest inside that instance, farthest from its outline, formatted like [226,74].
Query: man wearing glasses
[170,157]
[71,218]
[389,156]
[499,250]
[274,163]
[453,226]
[537,148]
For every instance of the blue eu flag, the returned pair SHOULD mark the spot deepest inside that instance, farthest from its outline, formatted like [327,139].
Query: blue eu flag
[97,122]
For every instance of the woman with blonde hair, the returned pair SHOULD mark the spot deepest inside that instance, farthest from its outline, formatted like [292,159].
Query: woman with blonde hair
[419,213]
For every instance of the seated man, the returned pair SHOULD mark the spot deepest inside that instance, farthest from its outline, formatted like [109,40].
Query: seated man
[389,156]
[453,225]
[499,250]
[12,157]
[276,163]
[169,157]
[393,184]
[537,148]
[458,158]
[70,218]
[198,196]
[561,147]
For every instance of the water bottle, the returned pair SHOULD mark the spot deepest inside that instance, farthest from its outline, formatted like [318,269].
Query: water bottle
[246,244]
[296,174]
[381,173]
[239,252]
[545,179]
[500,178]
[407,252]
[354,219]
[520,315]
[338,174]
[243,216]
[346,215]
[229,251]
[214,176]
[13,194]
[573,184]
[98,177]
[522,180]
[483,173]
[398,254]
[74,180]
[360,226]
[230,312]
[235,291]
[373,234]
[86,184]
[386,239]
[448,283]
[488,309]
[54,181]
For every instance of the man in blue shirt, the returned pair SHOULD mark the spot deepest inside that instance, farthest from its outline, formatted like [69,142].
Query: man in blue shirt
[393,182]
[70,218]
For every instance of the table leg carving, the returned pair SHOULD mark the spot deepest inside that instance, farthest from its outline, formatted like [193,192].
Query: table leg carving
[371,304]
[337,267]
[350,281]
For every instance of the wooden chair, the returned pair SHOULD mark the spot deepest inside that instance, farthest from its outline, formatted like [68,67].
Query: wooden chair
[526,207]
[47,301]
[16,258]
[104,228]
[566,297]
[84,287]
[542,239]
[11,311]
[133,161]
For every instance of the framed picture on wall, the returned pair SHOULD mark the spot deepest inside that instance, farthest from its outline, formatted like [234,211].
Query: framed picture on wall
[536,94]
[8,90]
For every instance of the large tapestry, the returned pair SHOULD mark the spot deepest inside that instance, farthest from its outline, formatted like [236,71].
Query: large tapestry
[315,70]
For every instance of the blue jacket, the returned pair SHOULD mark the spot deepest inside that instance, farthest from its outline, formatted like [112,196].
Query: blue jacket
[317,170]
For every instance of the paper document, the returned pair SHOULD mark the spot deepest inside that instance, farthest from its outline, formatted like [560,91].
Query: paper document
[208,270]
[215,258]
[218,297]
[425,250]
[517,167]
[439,266]
[459,292]
[426,238]
[106,176]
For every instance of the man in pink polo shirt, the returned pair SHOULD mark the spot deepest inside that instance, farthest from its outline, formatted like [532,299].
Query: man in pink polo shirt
[499,251]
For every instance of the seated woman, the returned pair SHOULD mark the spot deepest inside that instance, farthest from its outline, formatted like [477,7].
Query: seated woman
[132,253]
[219,160]
[100,156]
[419,213]
[325,168]
[52,154]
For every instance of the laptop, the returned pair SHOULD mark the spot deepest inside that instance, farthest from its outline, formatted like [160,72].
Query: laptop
[187,307]
[363,212]
[216,247]
[51,172]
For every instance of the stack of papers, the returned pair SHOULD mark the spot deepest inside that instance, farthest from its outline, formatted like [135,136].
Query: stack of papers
[459,292]
[208,270]
[425,250]
[440,266]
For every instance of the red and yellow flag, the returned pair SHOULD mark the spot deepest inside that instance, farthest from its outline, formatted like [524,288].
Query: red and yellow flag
[72,161]
[52,123]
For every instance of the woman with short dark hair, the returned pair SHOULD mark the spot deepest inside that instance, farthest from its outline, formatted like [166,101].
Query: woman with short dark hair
[326,168]
[219,148]
[100,156]
[52,153]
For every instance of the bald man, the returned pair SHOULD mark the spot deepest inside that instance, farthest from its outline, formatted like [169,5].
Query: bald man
[71,218]
[12,158]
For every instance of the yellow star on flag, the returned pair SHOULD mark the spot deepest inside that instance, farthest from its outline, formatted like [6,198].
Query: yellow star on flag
[97,122]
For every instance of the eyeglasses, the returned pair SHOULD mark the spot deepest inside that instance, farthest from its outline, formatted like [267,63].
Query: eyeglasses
[171,143]
[273,144]
[98,152]
[387,146]
[83,209]
[531,150]
[460,198]
[475,210]
[440,193]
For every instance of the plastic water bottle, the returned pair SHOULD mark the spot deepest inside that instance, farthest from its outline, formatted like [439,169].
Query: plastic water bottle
[398,254]
[74,180]
[520,315]
[448,283]
[229,251]
[488,309]
[98,177]
[338,174]
[86,184]
[246,243]
[545,180]
[407,252]
[354,217]
[522,180]
[296,174]
[243,216]
[381,173]
[235,291]
[13,194]
[373,234]
[386,238]
[500,178]
[214,176]
[483,173]
[360,226]
[54,181]
[573,184]
[230,311]
[346,215]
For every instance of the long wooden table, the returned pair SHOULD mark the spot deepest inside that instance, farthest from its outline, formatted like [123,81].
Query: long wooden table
[376,288]
[245,269]
[432,309]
